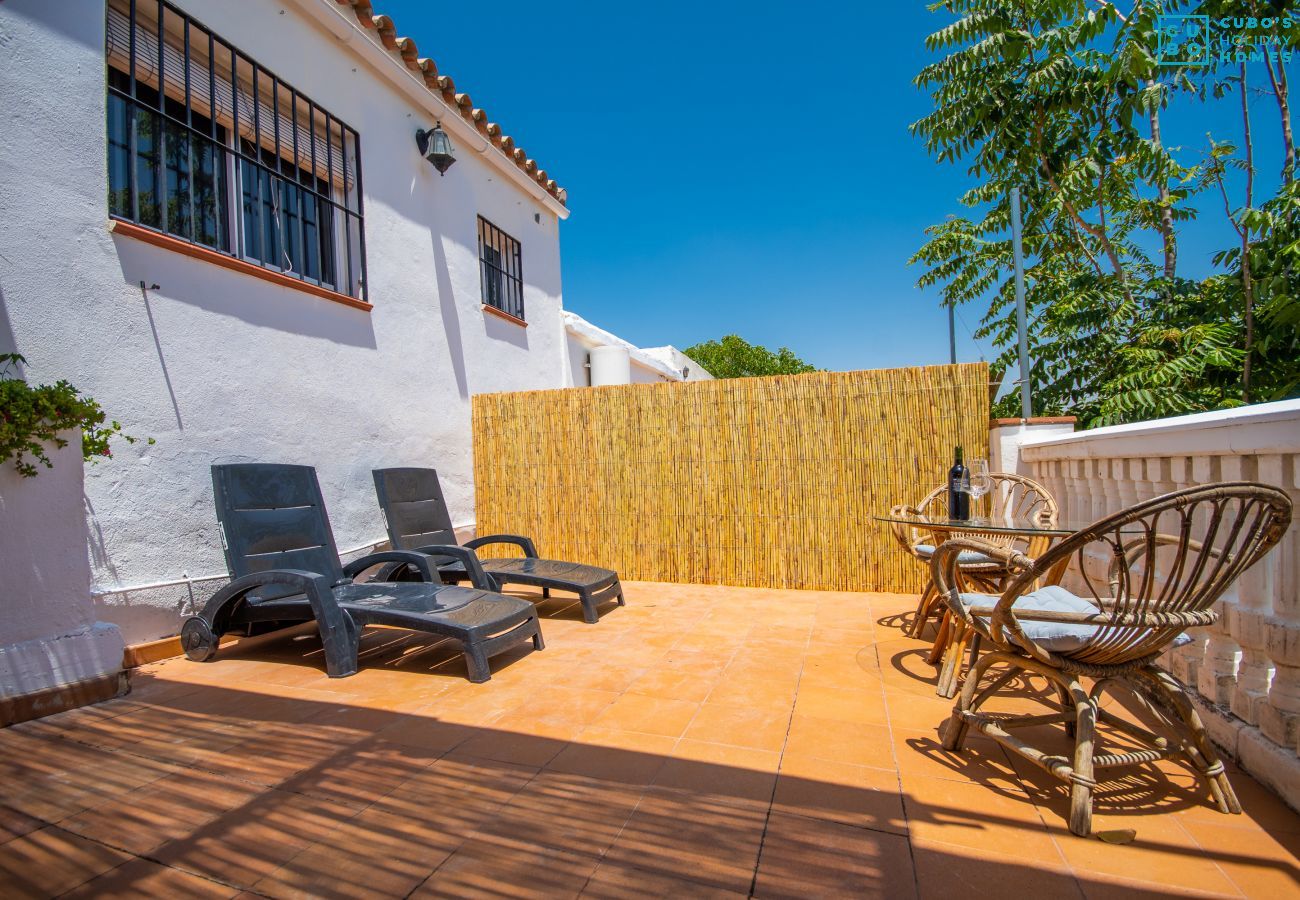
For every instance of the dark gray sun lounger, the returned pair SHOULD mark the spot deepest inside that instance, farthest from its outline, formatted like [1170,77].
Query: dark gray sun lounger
[285,568]
[417,518]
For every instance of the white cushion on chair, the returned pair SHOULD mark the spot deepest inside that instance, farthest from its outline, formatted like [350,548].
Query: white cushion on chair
[1057,637]
[964,558]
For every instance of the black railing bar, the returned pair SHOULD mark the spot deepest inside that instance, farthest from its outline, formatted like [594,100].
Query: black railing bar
[237,185]
[160,132]
[302,219]
[133,141]
[347,226]
[189,122]
[361,232]
[257,145]
[212,84]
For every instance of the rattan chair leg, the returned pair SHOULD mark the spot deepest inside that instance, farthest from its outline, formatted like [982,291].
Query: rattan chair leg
[941,637]
[1067,705]
[1081,779]
[950,671]
[925,610]
[1209,763]
[954,733]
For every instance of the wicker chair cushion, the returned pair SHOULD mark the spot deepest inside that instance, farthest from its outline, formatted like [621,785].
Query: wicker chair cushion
[1057,637]
[964,558]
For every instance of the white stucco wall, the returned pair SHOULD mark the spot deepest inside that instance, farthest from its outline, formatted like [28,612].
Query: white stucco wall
[652,366]
[676,359]
[219,366]
[49,635]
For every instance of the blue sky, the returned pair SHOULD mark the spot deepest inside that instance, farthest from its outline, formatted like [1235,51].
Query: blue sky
[743,167]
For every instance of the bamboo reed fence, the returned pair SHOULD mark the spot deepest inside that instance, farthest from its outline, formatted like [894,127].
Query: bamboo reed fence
[761,482]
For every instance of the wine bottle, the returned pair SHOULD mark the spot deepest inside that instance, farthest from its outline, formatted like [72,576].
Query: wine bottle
[958,489]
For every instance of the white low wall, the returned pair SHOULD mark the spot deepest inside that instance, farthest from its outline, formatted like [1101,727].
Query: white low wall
[1247,667]
[48,633]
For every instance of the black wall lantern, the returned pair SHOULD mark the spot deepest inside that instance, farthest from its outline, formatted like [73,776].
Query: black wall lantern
[435,146]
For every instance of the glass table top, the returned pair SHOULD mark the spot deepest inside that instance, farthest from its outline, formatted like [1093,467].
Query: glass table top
[994,525]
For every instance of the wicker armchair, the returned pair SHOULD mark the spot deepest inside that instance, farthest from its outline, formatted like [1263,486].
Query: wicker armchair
[917,543]
[1013,498]
[1159,580]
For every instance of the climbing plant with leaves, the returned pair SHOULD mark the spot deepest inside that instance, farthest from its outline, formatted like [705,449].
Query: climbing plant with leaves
[32,418]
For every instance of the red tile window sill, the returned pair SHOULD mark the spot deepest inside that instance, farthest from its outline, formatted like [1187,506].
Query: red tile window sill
[502,314]
[167,242]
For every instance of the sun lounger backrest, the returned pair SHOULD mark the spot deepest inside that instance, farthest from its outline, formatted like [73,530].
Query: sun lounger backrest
[273,517]
[414,507]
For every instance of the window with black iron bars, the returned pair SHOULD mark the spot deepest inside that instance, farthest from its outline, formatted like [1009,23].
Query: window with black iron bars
[208,146]
[500,269]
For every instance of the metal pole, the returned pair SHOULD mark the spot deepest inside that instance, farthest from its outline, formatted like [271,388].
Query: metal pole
[1018,254]
[952,336]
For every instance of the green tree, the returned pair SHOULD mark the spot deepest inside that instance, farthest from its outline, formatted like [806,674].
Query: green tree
[1062,99]
[734,357]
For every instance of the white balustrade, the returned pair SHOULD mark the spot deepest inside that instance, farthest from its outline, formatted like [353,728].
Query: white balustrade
[1246,667]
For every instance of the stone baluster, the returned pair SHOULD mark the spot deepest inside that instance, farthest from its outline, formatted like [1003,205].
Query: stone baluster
[1245,606]
[1279,718]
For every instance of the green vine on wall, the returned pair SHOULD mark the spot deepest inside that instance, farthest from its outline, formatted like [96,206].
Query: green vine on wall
[31,417]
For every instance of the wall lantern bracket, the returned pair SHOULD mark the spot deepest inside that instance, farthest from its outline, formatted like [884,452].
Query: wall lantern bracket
[436,147]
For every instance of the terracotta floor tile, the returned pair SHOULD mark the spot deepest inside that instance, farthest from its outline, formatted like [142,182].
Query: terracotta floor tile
[1258,863]
[575,813]
[949,871]
[1261,808]
[913,713]
[1162,853]
[166,810]
[248,843]
[865,705]
[610,755]
[974,815]
[824,636]
[51,861]
[686,836]
[375,854]
[921,754]
[427,733]
[574,706]
[1097,886]
[741,690]
[15,824]
[517,738]
[697,743]
[674,684]
[839,792]
[611,677]
[614,882]
[483,868]
[741,726]
[142,878]
[720,771]
[846,742]
[762,666]
[805,857]
[649,715]
[471,788]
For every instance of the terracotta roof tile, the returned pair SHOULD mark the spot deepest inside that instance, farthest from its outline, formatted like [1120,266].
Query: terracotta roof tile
[427,69]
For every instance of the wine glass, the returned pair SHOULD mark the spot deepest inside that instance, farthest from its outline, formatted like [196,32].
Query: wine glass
[980,481]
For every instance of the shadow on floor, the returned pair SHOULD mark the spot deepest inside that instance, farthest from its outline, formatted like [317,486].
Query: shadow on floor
[198,788]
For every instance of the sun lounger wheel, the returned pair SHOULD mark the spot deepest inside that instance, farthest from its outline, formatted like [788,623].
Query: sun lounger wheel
[197,640]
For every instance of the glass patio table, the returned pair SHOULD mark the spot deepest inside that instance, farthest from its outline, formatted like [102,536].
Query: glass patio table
[1028,527]
[1038,534]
